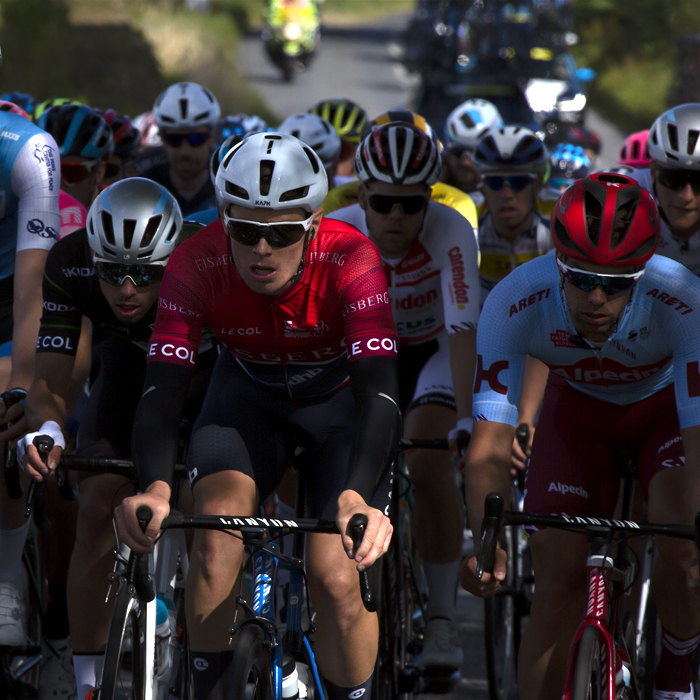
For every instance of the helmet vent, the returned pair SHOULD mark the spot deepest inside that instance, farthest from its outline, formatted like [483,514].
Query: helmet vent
[165,118]
[671,156]
[614,179]
[183,107]
[171,234]
[110,251]
[313,159]
[108,228]
[693,135]
[202,115]
[563,235]
[673,136]
[267,169]
[129,230]
[291,195]
[594,217]
[237,191]
[467,120]
[151,230]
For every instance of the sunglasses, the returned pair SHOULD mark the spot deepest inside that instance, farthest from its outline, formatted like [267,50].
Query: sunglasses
[587,281]
[279,234]
[140,275]
[677,179]
[410,204]
[517,183]
[194,138]
[75,173]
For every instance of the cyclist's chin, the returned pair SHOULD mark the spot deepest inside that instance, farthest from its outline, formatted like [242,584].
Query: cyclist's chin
[129,313]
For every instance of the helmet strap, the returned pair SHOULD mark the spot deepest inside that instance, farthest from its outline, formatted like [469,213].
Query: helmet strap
[302,262]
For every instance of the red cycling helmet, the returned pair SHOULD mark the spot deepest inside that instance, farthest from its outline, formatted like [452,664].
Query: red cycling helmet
[635,150]
[586,217]
[12,108]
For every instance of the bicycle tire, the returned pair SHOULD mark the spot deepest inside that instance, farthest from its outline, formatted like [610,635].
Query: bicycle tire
[589,676]
[124,668]
[501,626]
[385,677]
[251,677]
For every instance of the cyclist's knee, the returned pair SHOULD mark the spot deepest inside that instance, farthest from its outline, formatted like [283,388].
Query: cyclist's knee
[334,582]
[559,563]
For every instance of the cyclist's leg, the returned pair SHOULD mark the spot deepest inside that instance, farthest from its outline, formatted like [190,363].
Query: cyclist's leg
[663,480]
[571,471]
[438,515]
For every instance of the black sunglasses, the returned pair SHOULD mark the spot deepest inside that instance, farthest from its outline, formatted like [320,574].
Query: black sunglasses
[677,179]
[278,234]
[409,203]
[517,183]
[194,138]
[140,275]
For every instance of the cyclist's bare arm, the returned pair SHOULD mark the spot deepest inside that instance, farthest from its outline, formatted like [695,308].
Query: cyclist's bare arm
[487,469]
[534,383]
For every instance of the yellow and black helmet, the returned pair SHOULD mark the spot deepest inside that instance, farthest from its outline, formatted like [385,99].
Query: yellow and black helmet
[345,116]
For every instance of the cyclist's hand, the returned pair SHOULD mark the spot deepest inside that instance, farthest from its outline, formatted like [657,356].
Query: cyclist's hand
[488,584]
[377,537]
[157,498]
[29,457]
[518,458]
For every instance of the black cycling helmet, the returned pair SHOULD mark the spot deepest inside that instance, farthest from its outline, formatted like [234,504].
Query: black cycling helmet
[79,131]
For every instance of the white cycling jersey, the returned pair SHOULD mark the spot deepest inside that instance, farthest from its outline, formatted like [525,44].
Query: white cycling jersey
[29,188]
[499,257]
[434,287]
[684,252]
[657,341]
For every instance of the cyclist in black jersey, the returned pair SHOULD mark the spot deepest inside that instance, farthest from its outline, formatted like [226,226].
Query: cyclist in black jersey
[94,272]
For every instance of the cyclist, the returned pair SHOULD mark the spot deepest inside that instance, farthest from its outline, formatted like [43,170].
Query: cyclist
[85,143]
[568,163]
[127,145]
[349,120]
[623,375]
[348,194]
[430,259]
[101,273]
[29,225]
[674,179]
[239,125]
[318,133]
[186,114]
[585,138]
[301,306]
[464,127]
[634,151]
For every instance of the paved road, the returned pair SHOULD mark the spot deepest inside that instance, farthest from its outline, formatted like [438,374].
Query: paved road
[363,64]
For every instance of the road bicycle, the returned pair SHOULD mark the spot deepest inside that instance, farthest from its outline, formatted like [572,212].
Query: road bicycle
[599,665]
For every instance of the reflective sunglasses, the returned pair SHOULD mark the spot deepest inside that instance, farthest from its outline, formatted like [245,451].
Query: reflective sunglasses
[410,203]
[279,234]
[140,275]
[517,183]
[587,281]
[677,179]
[75,173]
[194,138]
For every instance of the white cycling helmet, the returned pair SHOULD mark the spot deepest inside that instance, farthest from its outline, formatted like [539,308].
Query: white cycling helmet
[512,148]
[673,138]
[316,132]
[186,106]
[134,222]
[471,121]
[298,176]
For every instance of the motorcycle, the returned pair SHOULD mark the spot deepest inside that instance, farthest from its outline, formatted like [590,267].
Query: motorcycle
[291,35]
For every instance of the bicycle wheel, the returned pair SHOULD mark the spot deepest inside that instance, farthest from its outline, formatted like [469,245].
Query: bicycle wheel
[501,626]
[589,673]
[385,677]
[251,677]
[123,676]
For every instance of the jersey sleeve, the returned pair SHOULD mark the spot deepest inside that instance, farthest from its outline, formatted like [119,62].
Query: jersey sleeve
[61,316]
[369,323]
[181,309]
[459,273]
[500,362]
[36,183]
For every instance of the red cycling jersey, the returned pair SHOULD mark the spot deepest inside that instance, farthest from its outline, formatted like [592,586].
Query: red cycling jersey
[298,341]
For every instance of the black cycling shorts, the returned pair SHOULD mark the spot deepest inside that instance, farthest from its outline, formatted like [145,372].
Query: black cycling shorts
[6,301]
[248,428]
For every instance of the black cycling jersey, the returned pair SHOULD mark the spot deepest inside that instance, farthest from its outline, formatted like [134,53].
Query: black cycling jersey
[71,290]
[202,200]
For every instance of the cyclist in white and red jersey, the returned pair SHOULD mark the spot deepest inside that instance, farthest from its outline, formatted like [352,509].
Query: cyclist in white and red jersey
[616,326]
[673,177]
[430,260]
[300,304]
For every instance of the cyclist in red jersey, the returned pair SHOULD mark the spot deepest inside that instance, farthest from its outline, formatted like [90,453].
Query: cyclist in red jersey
[301,307]
[623,376]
